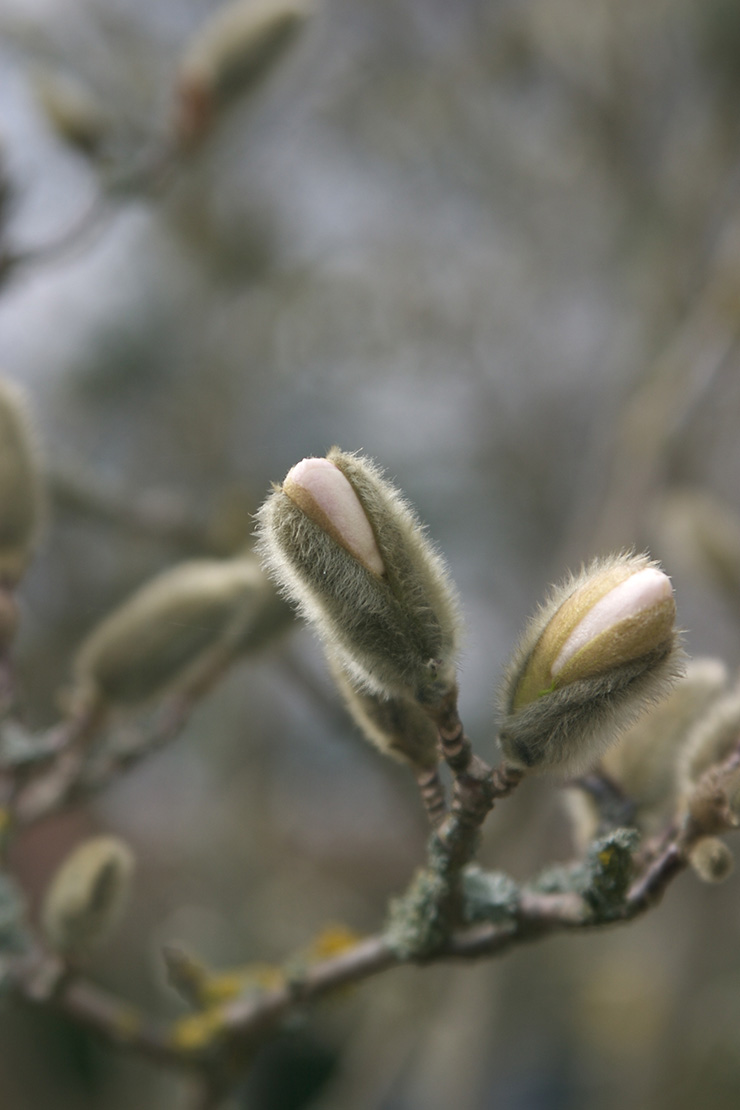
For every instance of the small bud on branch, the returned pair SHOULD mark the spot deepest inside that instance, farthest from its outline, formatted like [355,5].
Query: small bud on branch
[230,55]
[150,640]
[711,860]
[87,895]
[20,487]
[71,110]
[396,726]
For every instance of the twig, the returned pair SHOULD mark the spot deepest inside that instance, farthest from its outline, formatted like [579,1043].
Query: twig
[90,224]
[476,786]
[48,790]
[159,515]
[432,794]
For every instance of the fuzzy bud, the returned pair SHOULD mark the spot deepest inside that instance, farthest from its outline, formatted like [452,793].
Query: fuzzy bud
[20,487]
[230,55]
[704,531]
[712,739]
[152,638]
[72,111]
[397,727]
[341,542]
[87,895]
[8,619]
[711,859]
[601,649]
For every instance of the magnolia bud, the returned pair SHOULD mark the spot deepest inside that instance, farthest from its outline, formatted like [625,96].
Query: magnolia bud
[342,543]
[646,759]
[711,859]
[87,895]
[231,54]
[72,111]
[704,531]
[644,765]
[150,640]
[714,736]
[599,651]
[396,726]
[20,489]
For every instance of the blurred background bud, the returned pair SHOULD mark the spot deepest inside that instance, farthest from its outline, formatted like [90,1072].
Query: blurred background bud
[645,763]
[713,737]
[711,860]
[20,487]
[87,895]
[153,637]
[704,532]
[71,110]
[230,56]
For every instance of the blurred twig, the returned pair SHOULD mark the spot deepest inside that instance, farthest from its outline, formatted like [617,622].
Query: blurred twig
[159,514]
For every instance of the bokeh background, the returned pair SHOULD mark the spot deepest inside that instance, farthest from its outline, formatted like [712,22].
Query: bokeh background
[495,245]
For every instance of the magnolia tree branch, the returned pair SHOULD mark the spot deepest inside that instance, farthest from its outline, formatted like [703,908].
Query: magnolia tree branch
[211,1038]
[218,1034]
[437,919]
[563,690]
[68,770]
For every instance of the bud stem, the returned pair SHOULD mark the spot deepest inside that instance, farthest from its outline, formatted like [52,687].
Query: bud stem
[432,795]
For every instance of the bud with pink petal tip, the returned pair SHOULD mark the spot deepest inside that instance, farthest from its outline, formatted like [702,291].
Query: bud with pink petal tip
[341,542]
[600,650]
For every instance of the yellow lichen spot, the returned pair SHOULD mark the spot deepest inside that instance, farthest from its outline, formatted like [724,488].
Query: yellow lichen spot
[266,976]
[332,941]
[198,1031]
[222,988]
[228,985]
[605,857]
[4,820]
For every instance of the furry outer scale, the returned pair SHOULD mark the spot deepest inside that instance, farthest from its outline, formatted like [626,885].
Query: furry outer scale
[394,634]
[568,727]
[398,727]
[20,487]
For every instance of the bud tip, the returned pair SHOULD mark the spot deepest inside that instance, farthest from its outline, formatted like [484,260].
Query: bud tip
[320,489]
[637,594]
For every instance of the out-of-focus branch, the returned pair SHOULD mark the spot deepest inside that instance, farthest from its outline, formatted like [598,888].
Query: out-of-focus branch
[665,398]
[73,775]
[218,1040]
[157,514]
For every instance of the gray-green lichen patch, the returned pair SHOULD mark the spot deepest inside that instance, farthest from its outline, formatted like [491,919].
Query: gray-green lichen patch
[488,896]
[602,878]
